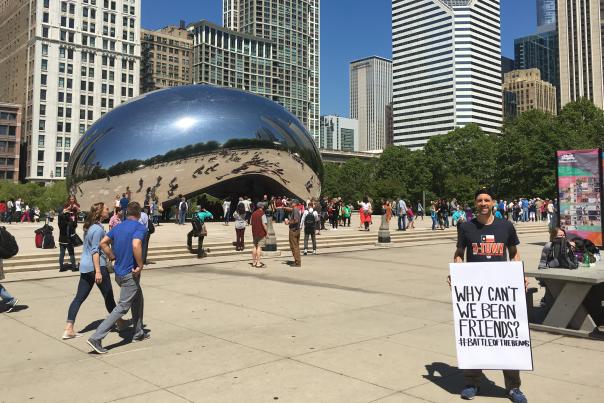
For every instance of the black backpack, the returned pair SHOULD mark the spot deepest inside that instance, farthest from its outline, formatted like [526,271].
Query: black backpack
[561,255]
[8,244]
[309,222]
[196,223]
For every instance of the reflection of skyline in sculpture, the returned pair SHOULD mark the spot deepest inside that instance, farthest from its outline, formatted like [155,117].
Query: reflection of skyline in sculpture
[215,140]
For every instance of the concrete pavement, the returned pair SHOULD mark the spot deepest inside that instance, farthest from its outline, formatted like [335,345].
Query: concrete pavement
[355,326]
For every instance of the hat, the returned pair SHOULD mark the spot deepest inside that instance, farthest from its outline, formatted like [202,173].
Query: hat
[295,201]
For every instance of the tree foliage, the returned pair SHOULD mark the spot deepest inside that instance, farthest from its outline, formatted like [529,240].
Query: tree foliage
[520,161]
[46,198]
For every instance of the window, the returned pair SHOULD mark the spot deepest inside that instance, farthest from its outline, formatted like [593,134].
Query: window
[40,155]
[43,79]
[42,110]
[44,64]
[61,67]
[41,141]
[42,95]
[44,49]
[46,3]
[67,142]
[58,172]
[45,32]
[66,157]
[82,129]
[45,17]
[59,156]
[59,141]
[42,125]
[40,170]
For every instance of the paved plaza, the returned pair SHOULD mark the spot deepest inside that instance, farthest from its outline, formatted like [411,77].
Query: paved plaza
[354,326]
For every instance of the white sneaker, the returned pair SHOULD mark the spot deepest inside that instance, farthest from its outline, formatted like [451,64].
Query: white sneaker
[314,252]
[305,252]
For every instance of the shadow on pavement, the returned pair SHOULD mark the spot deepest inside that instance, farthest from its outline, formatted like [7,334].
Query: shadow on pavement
[451,379]
[16,308]
[91,326]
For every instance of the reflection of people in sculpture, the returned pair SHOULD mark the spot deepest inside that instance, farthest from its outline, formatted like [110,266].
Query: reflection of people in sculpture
[199,229]
[140,185]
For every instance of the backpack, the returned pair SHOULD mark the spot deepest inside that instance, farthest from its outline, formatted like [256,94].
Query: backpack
[48,241]
[8,244]
[38,239]
[150,227]
[561,255]
[197,224]
[309,222]
[183,207]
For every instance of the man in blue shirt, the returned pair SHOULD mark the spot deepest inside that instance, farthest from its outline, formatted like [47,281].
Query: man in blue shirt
[126,249]
[124,205]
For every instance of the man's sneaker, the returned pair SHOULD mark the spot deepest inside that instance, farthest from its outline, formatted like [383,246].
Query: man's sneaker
[314,251]
[12,305]
[145,336]
[305,252]
[517,396]
[96,346]
[469,392]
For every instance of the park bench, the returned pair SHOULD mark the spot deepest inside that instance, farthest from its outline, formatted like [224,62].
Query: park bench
[567,315]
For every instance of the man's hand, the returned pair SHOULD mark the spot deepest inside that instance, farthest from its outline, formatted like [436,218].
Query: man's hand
[98,277]
[449,281]
[136,272]
[526,284]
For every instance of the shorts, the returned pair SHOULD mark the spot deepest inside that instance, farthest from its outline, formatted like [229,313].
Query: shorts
[260,241]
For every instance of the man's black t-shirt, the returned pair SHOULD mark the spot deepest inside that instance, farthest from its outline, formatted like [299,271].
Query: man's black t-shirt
[486,243]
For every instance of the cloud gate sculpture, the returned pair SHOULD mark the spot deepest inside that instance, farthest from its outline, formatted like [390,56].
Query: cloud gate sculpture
[195,139]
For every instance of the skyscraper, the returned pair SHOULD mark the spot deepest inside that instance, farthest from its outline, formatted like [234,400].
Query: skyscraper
[546,15]
[67,63]
[540,51]
[580,46]
[165,57]
[338,133]
[370,92]
[293,25]
[531,92]
[447,67]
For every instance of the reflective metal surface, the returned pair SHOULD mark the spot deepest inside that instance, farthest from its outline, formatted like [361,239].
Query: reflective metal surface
[195,139]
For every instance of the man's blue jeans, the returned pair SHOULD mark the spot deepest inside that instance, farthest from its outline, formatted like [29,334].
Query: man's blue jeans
[402,224]
[525,214]
[181,217]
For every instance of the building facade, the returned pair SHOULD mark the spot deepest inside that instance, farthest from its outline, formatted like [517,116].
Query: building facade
[67,62]
[165,58]
[10,141]
[231,59]
[370,92]
[580,48]
[338,133]
[293,26]
[531,92]
[389,125]
[507,65]
[546,15]
[446,67]
[540,51]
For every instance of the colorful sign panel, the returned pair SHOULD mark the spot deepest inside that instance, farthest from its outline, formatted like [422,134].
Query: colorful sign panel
[579,187]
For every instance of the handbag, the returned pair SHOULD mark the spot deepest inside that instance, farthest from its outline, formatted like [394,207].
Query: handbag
[203,231]
[75,240]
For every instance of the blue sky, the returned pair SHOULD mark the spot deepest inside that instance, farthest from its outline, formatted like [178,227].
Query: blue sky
[360,29]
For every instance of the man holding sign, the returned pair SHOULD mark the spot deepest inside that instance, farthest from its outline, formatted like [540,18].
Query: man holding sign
[487,320]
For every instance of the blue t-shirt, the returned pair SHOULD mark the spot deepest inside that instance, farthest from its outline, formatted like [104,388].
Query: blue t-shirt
[93,238]
[124,203]
[122,236]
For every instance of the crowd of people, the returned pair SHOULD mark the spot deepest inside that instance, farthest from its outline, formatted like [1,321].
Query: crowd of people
[16,211]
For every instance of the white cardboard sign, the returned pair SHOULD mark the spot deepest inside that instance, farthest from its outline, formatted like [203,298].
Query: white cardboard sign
[490,316]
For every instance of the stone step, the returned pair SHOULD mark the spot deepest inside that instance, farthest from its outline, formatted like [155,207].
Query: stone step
[41,262]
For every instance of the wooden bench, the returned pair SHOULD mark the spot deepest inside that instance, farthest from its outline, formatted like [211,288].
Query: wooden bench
[569,288]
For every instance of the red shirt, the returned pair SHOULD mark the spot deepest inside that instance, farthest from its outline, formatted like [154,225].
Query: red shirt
[258,230]
[2,207]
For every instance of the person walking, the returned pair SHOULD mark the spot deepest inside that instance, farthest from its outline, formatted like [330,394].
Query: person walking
[67,227]
[294,232]
[8,300]
[93,269]
[346,213]
[309,222]
[248,208]
[402,215]
[144,219]
[470,236]
[124,205]
[124,244]
[259,224]
[410,216]
[199,230]
[240,225]
[226,210]
[183,207]
[365,212]
[420,210]
[10,211]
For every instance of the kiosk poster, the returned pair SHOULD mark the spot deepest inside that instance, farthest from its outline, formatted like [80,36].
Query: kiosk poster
[579,186]
[490,316]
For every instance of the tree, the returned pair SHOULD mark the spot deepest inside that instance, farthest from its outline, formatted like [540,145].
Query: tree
[459,160]
[581,124]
